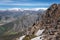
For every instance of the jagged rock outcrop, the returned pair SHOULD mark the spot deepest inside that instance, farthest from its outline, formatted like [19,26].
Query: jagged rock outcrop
[51,23]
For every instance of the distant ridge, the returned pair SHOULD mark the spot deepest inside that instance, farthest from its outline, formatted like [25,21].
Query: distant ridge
[22,9]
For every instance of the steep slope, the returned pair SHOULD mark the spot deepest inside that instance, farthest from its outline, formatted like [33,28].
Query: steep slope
[50,22]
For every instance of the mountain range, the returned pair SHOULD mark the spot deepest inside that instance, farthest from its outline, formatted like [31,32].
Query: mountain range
[33,24]
[13,21]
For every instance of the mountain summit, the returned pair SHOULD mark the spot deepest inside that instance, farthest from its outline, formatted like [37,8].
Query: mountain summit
[51,23]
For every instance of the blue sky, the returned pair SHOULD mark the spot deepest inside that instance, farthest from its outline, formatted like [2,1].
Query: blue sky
[5,4]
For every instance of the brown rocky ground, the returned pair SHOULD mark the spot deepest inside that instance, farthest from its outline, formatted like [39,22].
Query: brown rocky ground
[50,22]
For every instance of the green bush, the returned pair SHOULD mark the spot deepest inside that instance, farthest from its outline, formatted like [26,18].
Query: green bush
[29,37]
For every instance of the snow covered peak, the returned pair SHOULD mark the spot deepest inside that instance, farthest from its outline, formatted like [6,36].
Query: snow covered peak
[22,9]
[16,9]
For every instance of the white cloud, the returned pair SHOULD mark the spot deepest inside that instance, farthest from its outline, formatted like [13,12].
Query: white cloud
[27,4]
[36,9]
[10,2]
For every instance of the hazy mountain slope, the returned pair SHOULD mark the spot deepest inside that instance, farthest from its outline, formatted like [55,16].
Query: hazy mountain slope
[10,24]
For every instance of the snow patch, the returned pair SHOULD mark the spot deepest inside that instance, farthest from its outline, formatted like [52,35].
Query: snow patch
[39,32]
[37,38]
[21,38]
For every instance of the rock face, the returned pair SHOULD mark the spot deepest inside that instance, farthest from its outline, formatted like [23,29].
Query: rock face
[51,23]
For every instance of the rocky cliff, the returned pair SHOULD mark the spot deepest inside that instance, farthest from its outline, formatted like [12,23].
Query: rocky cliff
[50,22]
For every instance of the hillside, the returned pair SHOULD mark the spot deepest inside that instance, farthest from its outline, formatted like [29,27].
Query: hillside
[16,23]
[50,22]
[46,27]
